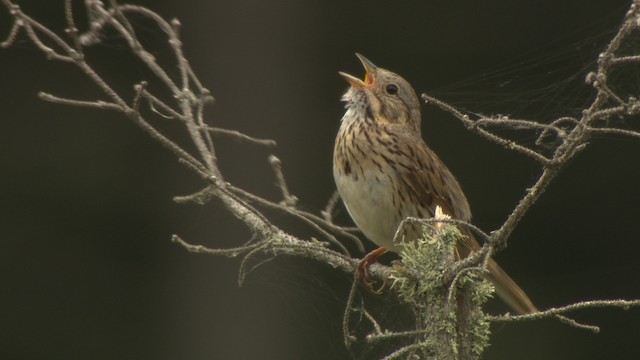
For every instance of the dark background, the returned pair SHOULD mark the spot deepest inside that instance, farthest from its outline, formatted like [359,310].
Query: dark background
[87,269]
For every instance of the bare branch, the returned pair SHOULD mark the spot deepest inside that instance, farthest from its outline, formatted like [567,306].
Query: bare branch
[376,326]
[473,126]
[327,213]
[199,249]
[98,104]
[287,198]
[13,33]
[136,48]
[553,312]
[238,135]
[614,131]
[403,352]
[242,269]
[291,211]
[393,335]
[31,27]
[560,132]
[201,197]
[72,30]
[575,324]
[517,124]
[499,237]
[625,59]
[346,332]
[96,22]
[156,105]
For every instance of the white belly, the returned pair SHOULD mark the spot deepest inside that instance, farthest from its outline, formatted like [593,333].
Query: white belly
[370,203]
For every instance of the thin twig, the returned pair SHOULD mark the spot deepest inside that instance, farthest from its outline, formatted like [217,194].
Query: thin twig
[346,332]
[403,352]
[164,110]
[560,132]
[376,326]
[287,198]
[201,197]
[242,272]
[72,30]
[242,210]
[303,215]
[506,122]
[134,45]
[31,27]
[473,126]
[291,211]
[238,135]
[614,131]
[98,104]
[393,335]
[340,230]
[499,237]
[200,249]
[204,99]
[453,288]
[327,213]
[625,59]
[13,33]
[96,22]
[591,304]
[568,321]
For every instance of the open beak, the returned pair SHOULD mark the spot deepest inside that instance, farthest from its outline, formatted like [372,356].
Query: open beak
[369,77]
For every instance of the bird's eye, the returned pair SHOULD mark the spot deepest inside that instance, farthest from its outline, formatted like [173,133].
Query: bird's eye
[392,89]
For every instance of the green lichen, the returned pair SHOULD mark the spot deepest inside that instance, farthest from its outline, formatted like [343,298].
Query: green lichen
[451,326]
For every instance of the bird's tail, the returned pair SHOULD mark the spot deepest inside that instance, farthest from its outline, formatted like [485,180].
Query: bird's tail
[509,291]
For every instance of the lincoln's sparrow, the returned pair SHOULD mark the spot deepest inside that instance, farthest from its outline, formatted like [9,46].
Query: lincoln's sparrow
[385,172]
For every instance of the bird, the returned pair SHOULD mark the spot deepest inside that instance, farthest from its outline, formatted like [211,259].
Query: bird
[385,172]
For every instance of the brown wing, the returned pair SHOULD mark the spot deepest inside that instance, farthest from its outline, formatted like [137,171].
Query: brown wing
[431,184]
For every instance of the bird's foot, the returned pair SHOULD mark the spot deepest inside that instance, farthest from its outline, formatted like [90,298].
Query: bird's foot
[364,275]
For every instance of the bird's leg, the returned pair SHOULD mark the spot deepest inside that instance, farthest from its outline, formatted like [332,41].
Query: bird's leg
[362,271]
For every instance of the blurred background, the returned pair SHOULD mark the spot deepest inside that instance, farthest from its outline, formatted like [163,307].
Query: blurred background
[87,268]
